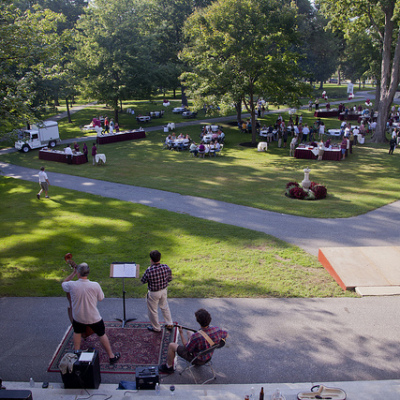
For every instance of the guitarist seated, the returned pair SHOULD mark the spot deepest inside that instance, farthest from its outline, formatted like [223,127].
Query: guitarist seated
[195,343]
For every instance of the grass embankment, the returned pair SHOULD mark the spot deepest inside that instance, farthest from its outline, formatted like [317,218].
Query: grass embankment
[208,259]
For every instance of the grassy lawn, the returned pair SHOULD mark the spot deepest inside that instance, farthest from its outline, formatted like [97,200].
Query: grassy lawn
[208,259]
[364,181]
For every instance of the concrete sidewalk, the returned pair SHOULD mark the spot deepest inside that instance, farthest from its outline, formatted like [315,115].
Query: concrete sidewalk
[271,341]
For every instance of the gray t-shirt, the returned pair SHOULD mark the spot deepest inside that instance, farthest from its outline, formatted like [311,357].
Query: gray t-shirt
[84,297]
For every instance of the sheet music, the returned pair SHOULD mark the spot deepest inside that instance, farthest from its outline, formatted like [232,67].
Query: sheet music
[124,270]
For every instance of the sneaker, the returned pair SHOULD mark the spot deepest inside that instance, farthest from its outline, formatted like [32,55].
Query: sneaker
[47,197]
[115,359]
[169,327]
[165,369]
[38,196]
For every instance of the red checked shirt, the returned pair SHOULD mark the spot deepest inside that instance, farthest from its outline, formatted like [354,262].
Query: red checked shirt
[157,277]
[197,343]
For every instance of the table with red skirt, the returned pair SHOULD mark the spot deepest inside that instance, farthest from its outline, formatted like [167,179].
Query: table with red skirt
[121,137]
[326,113]
[308,153]
[60,156]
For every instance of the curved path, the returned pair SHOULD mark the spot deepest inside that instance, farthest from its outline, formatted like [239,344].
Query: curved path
[376,228]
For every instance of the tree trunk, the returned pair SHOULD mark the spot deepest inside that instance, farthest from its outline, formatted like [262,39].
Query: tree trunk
[238,107]
[389,75]
[321,86]
[120,105]
[116,111]
[68,112]
[184,98]
[339,78]
[377,95]
[56,101]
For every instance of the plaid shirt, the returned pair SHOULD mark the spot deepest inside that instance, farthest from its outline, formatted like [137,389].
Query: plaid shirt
[157,277]
[198,343]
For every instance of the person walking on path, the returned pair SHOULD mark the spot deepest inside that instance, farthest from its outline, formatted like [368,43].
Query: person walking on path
[94,152]
[84,297]
[157,277]
[44,183]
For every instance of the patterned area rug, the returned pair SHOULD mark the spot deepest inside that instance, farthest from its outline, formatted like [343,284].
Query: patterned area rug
[138,347]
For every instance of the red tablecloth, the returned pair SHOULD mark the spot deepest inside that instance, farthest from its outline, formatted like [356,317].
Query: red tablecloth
[120,137]
[61,157]
[335,155]
[326,114]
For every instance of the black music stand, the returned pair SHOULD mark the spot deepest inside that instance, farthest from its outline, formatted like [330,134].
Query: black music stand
[124,270]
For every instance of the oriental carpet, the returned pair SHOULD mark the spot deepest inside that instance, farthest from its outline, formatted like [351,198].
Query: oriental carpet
[138,347]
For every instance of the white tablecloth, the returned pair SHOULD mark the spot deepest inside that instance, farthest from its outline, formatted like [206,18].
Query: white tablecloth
[101,157]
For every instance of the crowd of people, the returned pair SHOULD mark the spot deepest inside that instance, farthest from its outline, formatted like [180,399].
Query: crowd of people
[211,142]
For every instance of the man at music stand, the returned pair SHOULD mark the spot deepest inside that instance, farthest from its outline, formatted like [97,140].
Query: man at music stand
[157,277]
[84,297]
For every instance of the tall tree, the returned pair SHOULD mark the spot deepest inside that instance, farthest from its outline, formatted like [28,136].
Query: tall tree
[28,40]
[241,49]
[115,51]
[381,19]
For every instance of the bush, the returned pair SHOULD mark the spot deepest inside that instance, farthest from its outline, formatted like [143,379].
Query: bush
[319,191]
[298,193]
[316,192]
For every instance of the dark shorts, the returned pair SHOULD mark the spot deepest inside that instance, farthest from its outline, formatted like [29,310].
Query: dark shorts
[44,186]
[98,328]
[182,352]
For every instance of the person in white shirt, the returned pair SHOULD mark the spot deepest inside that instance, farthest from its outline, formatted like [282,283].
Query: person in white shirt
[356,132]
[44,183]
[84,297]
[68,152]
[306,131]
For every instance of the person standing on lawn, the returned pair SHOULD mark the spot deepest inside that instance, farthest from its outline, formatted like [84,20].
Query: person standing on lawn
[44,183]
[94,152]
[157,277]
[84,297]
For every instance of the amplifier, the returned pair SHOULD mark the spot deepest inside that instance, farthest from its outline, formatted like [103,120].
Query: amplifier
[16,395]
[146,378]
[85,373]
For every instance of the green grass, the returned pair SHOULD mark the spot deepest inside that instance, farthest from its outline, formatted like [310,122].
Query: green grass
[364,181]
[208,259]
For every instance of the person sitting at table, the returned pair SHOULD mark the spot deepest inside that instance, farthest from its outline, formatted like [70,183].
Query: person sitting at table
[76,147]
[217,147]
[244,126]
[168,142]
[173,137]
[188,138]
[202,150]
[221,137]
[193,149]
[211,149]
[181,136]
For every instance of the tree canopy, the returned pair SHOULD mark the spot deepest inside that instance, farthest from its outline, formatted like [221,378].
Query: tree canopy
[381,19]
[240,49]
[28,42]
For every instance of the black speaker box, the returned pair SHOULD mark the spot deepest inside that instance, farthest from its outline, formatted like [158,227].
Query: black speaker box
[16,395]
[146,378]
[85,375]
